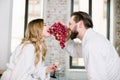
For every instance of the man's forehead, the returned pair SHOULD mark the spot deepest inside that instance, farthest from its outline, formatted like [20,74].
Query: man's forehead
[72,17]
[72,20]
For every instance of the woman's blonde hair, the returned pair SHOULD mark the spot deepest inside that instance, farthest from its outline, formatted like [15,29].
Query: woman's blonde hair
[33,35]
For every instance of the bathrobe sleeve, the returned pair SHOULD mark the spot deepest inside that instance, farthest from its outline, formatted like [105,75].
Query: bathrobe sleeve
[41,72]
[73,48]
[24,62]
[95,64]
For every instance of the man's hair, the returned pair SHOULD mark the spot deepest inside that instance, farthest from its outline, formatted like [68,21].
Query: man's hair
[86,18]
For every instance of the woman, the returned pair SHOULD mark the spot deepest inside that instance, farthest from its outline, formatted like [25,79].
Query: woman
[27,61]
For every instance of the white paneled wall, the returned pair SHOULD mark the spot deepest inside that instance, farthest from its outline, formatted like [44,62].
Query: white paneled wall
[5,31]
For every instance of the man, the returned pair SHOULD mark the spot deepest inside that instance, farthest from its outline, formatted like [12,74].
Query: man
[100,57]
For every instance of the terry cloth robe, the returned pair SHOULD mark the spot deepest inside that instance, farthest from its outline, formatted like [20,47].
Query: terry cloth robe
[21,65]
[100,57]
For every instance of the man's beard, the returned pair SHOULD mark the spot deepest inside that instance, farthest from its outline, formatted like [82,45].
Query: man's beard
[74,34]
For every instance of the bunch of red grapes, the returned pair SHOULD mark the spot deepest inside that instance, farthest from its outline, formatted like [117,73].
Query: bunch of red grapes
[59,31]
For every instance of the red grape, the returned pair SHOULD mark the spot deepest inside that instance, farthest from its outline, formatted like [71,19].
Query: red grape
[59,31]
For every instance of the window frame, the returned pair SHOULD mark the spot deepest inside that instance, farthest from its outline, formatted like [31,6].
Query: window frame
[26,15]
[90,13]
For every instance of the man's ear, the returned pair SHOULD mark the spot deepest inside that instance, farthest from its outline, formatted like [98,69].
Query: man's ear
[80,24]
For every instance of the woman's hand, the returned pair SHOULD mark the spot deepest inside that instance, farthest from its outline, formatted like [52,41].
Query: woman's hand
[51,68]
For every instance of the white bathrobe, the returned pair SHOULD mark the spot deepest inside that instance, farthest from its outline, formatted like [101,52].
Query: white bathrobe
[21,65]
[100,57]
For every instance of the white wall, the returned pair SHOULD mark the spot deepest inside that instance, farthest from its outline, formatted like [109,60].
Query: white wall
[5,31]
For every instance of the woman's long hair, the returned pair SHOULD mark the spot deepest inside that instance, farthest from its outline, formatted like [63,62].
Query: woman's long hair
[33,35]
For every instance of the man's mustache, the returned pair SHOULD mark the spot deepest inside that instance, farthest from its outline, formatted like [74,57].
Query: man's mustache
[74,33]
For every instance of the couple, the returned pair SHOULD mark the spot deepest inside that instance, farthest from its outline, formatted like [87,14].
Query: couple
[101,60]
